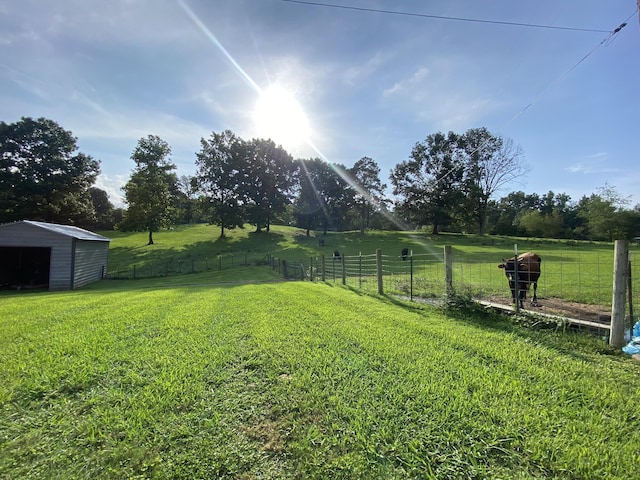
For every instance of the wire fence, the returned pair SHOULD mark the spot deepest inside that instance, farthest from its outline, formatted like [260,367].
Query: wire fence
[178,266]
[573,284]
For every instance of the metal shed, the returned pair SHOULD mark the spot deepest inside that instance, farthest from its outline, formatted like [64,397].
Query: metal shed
[46,255]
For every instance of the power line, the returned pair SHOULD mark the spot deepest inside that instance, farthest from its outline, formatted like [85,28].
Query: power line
[609,37]
[443,17]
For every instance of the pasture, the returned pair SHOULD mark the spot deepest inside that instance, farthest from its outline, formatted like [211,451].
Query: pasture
[576,278]
[208,376]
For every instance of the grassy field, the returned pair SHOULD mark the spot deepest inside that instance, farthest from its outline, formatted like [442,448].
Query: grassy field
[299,380]
[227,372]
[574,271]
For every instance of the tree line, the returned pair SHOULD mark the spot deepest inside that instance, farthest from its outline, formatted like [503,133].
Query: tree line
[449,182]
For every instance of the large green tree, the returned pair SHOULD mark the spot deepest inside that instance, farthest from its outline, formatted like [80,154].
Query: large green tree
[324,196]
[148,192]
[42,175]
[491,163]
[428,184]
[270,177]
[220,175]
[369,190]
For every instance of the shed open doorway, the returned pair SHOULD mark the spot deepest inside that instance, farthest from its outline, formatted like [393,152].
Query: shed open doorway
[24,267]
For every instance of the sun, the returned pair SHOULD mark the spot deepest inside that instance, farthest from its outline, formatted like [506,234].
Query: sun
[279,116]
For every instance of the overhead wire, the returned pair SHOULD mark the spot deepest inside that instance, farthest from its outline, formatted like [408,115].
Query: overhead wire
[610,36]
[445,17]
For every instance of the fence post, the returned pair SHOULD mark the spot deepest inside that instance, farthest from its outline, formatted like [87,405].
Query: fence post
[220,261]
[134,271]
[630,296]
[515,276]
[284,268]
[311,269]
[411,276]
[360,270]
[621,256]
[324,275]
[379,271]
[344,272]
[448,270]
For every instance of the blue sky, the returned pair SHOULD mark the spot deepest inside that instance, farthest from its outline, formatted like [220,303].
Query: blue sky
[368,84]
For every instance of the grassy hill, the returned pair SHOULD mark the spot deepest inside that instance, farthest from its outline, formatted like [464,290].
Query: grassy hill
[212,375]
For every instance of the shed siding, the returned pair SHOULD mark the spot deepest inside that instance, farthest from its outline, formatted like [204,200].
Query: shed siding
[25,235]
[64,272]
[90,262]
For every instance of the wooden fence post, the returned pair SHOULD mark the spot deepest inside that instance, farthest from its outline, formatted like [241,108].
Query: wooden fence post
[448,270]
[379,270]
[621,256]
[411,276]
[630,296]
[324,276]
[344,271]
[516,267]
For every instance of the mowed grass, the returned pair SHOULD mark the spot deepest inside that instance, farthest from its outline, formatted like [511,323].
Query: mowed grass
[300,380]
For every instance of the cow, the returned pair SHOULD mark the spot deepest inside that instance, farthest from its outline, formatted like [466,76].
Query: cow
[528,272]
[405,253]
[336,255]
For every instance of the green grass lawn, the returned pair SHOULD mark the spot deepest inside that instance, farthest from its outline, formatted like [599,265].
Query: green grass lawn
[299,380]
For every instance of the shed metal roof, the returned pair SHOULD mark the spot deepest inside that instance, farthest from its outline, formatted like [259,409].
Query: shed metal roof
[66,230]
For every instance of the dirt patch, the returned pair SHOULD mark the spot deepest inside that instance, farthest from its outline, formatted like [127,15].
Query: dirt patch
[268,433]
[558,306]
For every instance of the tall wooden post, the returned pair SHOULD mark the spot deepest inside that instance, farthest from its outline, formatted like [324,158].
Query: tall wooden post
[411,276]
[379,270]
[448,270]
[621,256]
[324,265]
[515,277]
[344,271]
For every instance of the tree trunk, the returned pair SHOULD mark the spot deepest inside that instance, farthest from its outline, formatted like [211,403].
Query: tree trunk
[150,238]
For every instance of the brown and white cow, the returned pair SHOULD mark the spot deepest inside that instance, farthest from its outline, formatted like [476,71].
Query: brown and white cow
[527,269]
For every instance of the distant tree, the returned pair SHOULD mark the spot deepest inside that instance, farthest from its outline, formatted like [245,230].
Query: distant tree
[270,177]
[42,176]
[324,196]
[220,177]
[429,183]
[601,213]
[103,210]
[536,224]
[149,190]
[309,205]
[510,209]
[186,202]
[369,190]
[491,163]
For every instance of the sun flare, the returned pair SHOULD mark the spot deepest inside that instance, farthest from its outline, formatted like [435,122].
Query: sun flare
[279,116]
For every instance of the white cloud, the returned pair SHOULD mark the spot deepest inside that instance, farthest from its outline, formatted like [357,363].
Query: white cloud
[354,74]
[113,186]
[409,85]
[593,164]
